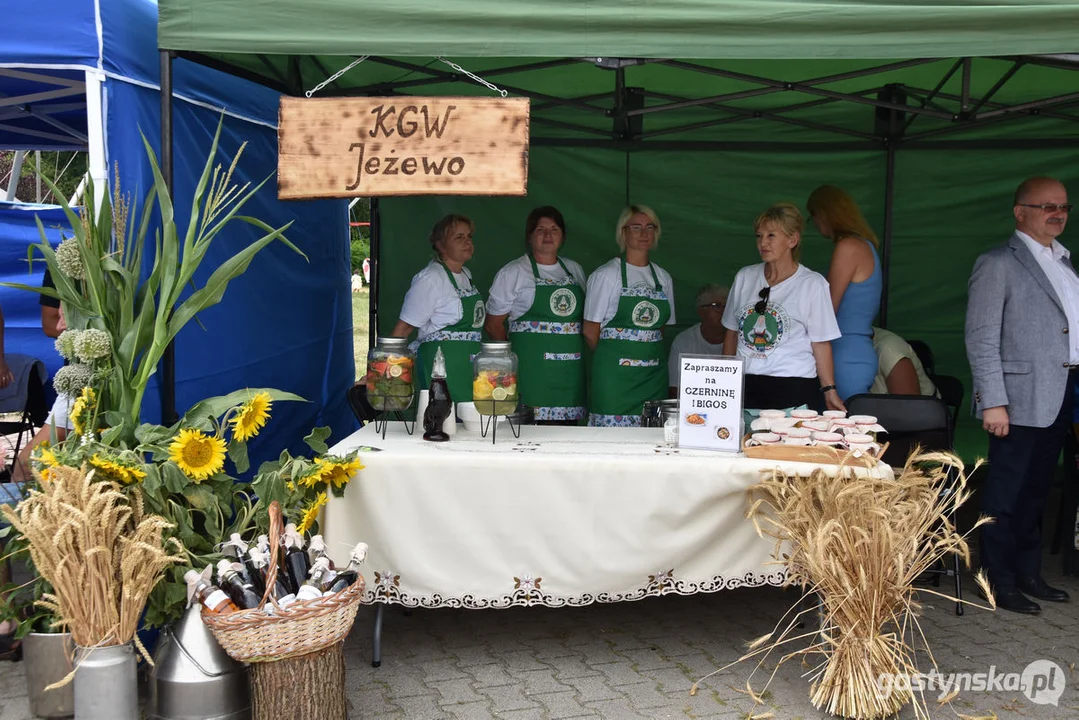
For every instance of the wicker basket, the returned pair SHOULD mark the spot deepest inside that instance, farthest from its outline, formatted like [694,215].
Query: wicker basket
[256,635]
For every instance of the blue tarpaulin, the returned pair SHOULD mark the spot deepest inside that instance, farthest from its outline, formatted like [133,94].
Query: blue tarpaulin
[287,322]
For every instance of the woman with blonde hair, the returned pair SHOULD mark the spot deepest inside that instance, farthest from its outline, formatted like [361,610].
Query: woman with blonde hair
[628,301]
[445,308]
[855,283]
[779,320]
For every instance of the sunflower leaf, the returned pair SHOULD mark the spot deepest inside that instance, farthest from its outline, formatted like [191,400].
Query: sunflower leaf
[175,480]
[200,497]
[317,440]
[148,434]
[238,454]
[216,406]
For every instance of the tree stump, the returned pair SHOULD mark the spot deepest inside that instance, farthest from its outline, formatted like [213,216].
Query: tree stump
[309,687]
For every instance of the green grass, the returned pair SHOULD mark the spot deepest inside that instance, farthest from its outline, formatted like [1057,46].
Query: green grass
[360,321]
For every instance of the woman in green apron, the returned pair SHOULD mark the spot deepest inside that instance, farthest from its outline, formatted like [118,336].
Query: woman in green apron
[542,297]
[446,308]
[628,301]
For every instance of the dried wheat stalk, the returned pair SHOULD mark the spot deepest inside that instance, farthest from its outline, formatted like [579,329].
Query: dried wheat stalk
[99,552]
[859,542]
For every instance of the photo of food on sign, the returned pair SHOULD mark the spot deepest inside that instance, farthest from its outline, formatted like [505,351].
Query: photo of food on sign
[723,433]
[696,419]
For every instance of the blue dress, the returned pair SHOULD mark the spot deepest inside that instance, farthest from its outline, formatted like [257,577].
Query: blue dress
[855,360]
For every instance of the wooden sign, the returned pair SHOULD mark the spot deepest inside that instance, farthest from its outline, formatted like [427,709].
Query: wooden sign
[710,402]
[366,147]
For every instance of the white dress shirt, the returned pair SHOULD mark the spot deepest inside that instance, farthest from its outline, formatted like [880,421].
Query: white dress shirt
[1057,267]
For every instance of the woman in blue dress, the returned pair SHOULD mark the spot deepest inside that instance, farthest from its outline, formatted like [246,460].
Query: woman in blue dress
[854,279]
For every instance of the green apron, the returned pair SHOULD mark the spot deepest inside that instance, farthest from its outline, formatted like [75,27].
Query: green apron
[460,343]
[548,343]
[629,366]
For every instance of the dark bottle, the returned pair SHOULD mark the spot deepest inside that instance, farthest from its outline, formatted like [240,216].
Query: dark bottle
[316,549]
[242,593]
[213,598]
[262,566]
[297,566]
[440,404]
[350,574]
[256,564]
[235,549]
[312,587]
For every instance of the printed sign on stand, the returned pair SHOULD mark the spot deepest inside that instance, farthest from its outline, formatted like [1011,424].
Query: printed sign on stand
[710,399]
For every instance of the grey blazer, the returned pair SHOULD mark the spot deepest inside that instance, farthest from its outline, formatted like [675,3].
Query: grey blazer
[1016,336]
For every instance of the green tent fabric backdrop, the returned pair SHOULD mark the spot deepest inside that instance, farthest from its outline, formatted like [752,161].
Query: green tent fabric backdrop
[949,207]
[622,28]
[707,169]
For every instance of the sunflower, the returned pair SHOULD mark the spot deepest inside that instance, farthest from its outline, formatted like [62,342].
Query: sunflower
[336,473]
[82,408]
[113,469]
[311,513]
[45,456]
[198,455]
[252,416]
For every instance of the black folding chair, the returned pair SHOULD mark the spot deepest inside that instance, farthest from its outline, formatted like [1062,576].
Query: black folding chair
[951,391]
[357,400]
[28,401]
[912,421]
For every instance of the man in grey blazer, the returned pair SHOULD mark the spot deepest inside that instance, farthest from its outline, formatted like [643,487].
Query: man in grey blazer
[1022,337]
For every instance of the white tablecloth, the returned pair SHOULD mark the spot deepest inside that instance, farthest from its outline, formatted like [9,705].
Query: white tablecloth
[560,517]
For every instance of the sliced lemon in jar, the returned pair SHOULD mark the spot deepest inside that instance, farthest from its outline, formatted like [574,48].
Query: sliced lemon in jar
[395,371]
[499,393]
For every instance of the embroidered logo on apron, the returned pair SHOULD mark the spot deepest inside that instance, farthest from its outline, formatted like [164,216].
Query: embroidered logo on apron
[761,334]
[644,313]
[479,314]
[563,302]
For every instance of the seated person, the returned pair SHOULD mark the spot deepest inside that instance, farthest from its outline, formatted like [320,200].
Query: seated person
[899,371]
[704,338]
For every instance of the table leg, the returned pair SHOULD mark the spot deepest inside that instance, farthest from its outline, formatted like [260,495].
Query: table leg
[376,652]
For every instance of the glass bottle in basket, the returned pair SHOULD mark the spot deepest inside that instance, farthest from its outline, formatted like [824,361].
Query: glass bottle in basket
[242,593]
[494,379]
[212,597]
[348,576]
[390,374]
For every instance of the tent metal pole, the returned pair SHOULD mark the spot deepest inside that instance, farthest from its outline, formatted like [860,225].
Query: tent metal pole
[997,86]
[453,77]
[379,88]
[928,101]
[95,138]
[376,265]
[168,358]
[16,171]
[808,88]
[886,240]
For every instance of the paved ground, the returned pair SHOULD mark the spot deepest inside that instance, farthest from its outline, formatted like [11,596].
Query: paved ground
[638,660]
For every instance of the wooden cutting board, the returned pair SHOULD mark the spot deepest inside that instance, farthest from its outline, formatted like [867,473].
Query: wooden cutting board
[821,454]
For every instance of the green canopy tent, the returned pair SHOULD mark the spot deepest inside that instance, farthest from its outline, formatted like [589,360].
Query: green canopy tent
[708,110]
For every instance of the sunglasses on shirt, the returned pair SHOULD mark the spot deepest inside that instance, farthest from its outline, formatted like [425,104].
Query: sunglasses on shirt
[762,304]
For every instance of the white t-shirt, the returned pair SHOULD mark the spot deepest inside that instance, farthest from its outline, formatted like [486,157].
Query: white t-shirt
[605,288]
[431,303]
[60,412]
[799,313]
[689,342]
[514,287]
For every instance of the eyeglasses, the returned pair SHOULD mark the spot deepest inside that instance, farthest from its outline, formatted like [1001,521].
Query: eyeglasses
[713,305]
[762,304]
[1050,207]
[554,232]
[637,228]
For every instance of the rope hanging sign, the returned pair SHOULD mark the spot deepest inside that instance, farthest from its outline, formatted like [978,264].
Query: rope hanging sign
[402,145]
